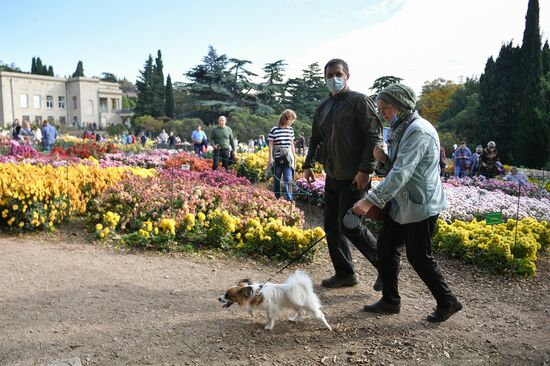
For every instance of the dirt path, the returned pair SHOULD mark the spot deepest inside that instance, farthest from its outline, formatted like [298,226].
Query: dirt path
[62,297]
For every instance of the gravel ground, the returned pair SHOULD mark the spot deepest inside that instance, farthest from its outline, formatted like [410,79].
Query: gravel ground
[64,297]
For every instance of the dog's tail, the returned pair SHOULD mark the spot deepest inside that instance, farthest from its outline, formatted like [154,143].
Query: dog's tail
[301,290]
[300,279]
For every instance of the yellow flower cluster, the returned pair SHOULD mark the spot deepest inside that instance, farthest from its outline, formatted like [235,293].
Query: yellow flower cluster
[44,195]
[168,226]
[253,165]
[224,219]
[147,229]
[495,246]
[135,148]
[70,139]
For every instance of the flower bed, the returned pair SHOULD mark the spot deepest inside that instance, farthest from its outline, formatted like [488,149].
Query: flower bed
[495,247]
[42,196]
[253,165]
[469,203]
[180,210]
[528,190]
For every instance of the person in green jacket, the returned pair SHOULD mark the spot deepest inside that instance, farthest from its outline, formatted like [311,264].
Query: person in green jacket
[222,141]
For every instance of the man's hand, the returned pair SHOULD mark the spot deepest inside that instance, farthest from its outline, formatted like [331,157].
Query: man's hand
[361,207]
[308,175]
[379,154]
[361,180]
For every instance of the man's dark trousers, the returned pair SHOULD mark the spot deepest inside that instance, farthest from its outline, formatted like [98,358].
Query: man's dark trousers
[340,196]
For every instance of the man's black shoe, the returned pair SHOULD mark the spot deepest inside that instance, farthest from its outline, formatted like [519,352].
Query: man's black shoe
[441,314]
[382,307]
[335,281]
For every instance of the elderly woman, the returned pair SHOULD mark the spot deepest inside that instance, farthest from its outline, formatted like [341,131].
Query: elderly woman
[415,196]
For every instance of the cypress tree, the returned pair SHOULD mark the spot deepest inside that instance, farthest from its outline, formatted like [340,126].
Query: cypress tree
[157,85]
[499,102]
[50,71]
[33,66]
[169,107]
[531,141]
[144,105]
[38,69]
[79,70]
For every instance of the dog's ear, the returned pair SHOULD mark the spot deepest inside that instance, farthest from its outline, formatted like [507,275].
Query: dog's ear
[244,282]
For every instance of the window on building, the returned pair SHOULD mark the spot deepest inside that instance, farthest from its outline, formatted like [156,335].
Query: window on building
[61,102]
[26,118]
[90,107]
[38,120]
[49,102]
[75,120]
[51,119]
[24,101]
[62,120]
[103,104]
[36,101]
[114,104]
[75,104]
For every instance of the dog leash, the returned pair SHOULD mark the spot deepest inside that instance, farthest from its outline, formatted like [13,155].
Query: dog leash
[351,221]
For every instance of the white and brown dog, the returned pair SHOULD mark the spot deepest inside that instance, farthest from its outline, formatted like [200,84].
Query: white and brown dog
[297,294]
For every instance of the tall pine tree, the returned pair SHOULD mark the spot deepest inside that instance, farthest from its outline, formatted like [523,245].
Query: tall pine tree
[169,107]
[33,66]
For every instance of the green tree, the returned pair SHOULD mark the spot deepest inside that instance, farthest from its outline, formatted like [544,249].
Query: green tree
[532,142]
[241,84]
[158,88]
[33,66]
[107,76]
[127,102]
[50,71]
[499,102]
[305,93]
[79,70]
[272,91]
[210,88]
[147,123]
[382,82]
[39,67]
[144,105]
[169,108]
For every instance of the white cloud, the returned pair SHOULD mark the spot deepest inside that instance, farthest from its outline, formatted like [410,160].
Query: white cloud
[425,40]
[379,10]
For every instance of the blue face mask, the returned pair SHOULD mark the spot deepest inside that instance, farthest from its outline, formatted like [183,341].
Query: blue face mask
[335,85]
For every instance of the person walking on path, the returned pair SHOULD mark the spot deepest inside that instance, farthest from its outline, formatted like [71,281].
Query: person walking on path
[415,195]
[344,132]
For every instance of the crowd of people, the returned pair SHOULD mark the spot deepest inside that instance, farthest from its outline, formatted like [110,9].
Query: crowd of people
[483,161]
[43,137]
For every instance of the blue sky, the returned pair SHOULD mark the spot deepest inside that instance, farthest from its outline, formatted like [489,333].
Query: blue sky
[417,40]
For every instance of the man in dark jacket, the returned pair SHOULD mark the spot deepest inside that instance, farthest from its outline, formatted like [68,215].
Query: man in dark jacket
[344,133]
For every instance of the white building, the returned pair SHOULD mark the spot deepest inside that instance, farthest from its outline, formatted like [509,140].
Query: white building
[76,102]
